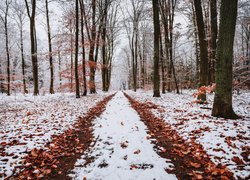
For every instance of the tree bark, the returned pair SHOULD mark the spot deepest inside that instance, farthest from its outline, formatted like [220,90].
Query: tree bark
[92,49]
[51,89]
[163,79]
[203,47]
[156,47]
[7,46]
[76,50]
[23,62]
[83,50]
[214,32]
[197,52]
[222,106]
[33,43]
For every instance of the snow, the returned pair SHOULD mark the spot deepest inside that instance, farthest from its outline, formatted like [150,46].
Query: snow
[28,122]
[223,139]
[121,147]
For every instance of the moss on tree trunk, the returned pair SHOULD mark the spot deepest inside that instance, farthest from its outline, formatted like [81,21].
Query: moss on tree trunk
[223,76]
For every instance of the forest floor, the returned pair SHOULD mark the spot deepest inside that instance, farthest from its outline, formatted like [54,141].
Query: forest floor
[122,136]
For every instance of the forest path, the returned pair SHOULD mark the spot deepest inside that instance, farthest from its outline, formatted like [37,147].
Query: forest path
[122,149]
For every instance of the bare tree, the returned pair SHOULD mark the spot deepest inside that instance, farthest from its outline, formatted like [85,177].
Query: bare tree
[31,11]
[20,18]
[76,49]
[83,49]
[51,89]
[203,47]
[4,18]
[157,32]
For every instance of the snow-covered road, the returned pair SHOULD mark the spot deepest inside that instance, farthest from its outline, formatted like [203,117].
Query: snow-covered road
[122,149]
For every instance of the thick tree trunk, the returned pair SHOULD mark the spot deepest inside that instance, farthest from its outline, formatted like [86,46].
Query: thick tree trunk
[222,106]
[76,50]
[51,89]
[156,47]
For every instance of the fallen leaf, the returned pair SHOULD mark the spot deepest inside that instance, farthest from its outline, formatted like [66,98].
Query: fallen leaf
[137,151]
[237,160]
[196,165]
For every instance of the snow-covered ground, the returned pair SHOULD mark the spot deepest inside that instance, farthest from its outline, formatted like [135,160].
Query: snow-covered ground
[28,122]
[226,141]
[121,150]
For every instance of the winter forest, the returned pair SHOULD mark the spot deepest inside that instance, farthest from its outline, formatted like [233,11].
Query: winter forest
[124,89]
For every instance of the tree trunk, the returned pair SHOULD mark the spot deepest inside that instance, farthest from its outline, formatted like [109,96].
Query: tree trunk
[76,50]
[59,63]
[203,47]
[33,42]
[104,60]
[214,32]
[7,48]
[163,79]
[91,50]
[222,106]
[23,62]
[51,89]
[71,59]
[83,51]
[197,52]
[156,47]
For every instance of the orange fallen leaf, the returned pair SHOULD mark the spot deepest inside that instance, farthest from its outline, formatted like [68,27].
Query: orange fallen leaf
[196,165]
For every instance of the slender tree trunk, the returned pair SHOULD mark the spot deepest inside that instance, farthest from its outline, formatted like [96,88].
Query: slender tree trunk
[33,43]
[71,60]
[104,61]
[222,106]
[51,89]
[1,79]
[76,50]
[156,47]
[203,47]
[134,68]
[92,49]
[7,50]
[197,52]
[175,78]
[23,62]
[162,68]
[214,32]
[83,51]
[60,69]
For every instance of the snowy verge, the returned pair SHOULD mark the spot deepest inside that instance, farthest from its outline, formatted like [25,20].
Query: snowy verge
[226,141]
[28,122]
